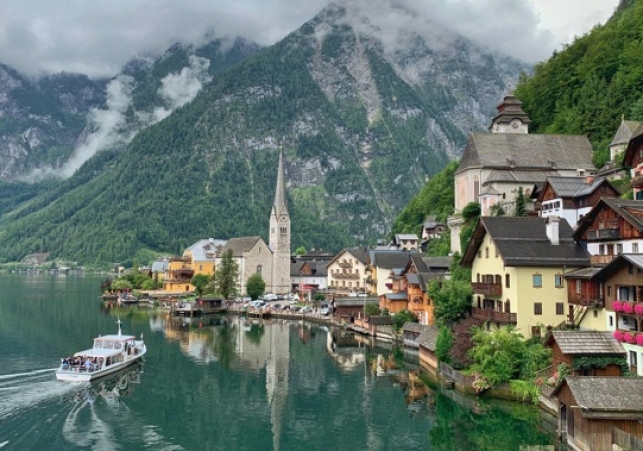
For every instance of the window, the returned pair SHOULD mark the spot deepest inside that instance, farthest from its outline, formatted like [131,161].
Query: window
[479,253]
[633,359]
[507,281]
[259,269]
[497,251]
[538,308]
[560,308]
[579,286]
[486,252]
[601,249]
[609,290]
[635,248]
[619,248]
[537,280]
[200,267]
[558,281]
[611,321]
[535,331]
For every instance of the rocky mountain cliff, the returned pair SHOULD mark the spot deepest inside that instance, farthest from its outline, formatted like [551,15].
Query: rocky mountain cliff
[364,111]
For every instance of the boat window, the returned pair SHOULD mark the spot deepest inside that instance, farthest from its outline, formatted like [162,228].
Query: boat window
[117,346]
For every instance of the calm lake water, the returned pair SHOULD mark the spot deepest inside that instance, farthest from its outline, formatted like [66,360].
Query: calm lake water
[223,384]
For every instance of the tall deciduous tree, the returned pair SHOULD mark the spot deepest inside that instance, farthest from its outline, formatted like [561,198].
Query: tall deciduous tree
[226,276]
[255,286]
[200,281]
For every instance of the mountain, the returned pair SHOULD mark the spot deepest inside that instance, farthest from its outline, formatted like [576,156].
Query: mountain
[363,110]
[587,87]
[43,121]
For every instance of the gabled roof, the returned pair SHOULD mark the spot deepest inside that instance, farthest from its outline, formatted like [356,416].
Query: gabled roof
[413,327]
[389,259]
[524,242]
[431,222]
[518,176]
[428,338]
[355,302]
[574,187]
[606,397]
[296,268]
[620,262]
[586,342]
[625,132]
[510,108]
[396,296]
[633,144]
[206,250]
[240,246]
[630,210]
[583,273]
[527,151]
[405,236]
[359,253]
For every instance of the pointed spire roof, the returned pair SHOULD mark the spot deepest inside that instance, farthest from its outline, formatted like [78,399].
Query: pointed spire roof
[625,132]
[279,207]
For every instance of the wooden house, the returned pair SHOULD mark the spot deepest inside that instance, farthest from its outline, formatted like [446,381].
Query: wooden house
[426,343]
[592,409]
[393,302]
[411,332]
[633,158]
[350,308]
[586,351]
[418,273]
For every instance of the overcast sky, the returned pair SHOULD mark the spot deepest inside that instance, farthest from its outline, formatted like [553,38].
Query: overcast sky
[97,37]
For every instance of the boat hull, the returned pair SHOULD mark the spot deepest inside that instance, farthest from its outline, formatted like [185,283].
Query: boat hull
[86,376]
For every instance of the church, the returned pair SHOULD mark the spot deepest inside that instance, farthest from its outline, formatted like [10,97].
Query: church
[252,254]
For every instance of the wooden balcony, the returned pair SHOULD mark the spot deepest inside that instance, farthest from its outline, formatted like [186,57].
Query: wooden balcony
[488,289]
[492,315]
[604,234]
[602,259]
[346,265]
[346,276]
[587,301]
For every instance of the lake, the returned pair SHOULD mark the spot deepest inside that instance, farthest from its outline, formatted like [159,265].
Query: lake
[225,384]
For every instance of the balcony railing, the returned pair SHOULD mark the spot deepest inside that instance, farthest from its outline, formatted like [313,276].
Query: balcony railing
[488,289]
[346,265]
[604,234]
[587,301]
[492,315]
[601,259]
[347,275]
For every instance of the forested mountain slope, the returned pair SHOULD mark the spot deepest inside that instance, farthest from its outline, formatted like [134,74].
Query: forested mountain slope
[362,125]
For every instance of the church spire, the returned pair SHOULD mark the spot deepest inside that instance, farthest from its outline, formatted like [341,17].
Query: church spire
[279,207]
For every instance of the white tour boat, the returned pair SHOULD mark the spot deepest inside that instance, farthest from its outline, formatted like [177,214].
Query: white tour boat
[109,354]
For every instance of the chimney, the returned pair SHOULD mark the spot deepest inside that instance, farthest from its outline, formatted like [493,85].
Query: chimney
[590,179]
[553,229]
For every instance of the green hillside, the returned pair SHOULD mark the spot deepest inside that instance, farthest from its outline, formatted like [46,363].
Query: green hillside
[587,87]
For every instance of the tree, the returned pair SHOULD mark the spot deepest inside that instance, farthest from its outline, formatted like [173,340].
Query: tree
[402,317]
[497,355]
[122,284]
[226,276]
[301,250]
[443,345]
[255,286]
[200,281]
[521,203]
[452,300]
[371,310]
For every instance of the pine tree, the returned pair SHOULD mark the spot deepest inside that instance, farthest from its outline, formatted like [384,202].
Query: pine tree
[226,276]
[521,208]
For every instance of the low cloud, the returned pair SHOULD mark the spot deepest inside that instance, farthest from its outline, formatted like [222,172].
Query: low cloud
[98,38]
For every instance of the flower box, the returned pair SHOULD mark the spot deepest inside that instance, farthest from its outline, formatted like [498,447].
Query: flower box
[629,337]
[617,306]
[638,309]
[628,307]
[618,335]
[639,339]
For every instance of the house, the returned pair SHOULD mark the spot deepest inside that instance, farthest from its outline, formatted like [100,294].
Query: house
[347,271]
[382,265]
[393,302]
[572,198]
[199,258]
[593,410]
[376,326]
[406,242]
[518,266]
[252,256]
[350,308]
[612,227]
[612,170]
[418,273]
[495,165]
[633,158]
[586,352]
[431,229]
[306,276]
[426,343]
[585,299]
[159,267]
[411,332]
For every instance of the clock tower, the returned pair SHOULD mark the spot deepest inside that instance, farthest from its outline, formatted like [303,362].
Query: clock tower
[510,118]
[280,236]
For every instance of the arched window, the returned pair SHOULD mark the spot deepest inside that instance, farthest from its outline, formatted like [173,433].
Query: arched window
[259,269]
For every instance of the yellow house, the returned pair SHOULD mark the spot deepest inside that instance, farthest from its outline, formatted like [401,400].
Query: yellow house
[347,271]
[199,258]
[383,265]
[518,268]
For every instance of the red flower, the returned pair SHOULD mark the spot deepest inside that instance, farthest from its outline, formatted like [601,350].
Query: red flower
[617,306]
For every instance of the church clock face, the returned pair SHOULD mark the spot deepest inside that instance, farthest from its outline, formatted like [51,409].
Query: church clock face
[283,218]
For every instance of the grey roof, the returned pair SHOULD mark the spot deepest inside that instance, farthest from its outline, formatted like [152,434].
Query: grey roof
[618,263]
[587,342]
[295,268]
[572,187]
[206,250]
[279,206]
[583,273]
[389,259]
[240,246]
[518,176]
[355,302]
[380,320]
[413,279]
[510,108]
[630,210]
[606,397]
[527,151]
[437,263]
[319,268]
[396,296]
[406,236]
[359,253]
[160,266]
[413,327]
[524,242]
[625,132]
[490,191]
[428,338]
[431,222]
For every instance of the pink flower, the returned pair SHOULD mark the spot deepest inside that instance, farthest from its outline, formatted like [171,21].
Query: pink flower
[617,306]
[618,335]
[638,309]
[639,339]
[629,338]
[628,307]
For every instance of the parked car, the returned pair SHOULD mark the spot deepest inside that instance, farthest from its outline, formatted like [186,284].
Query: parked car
[324,311]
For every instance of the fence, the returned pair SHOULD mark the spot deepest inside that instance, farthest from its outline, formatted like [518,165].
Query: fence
[626,441]
[456,376]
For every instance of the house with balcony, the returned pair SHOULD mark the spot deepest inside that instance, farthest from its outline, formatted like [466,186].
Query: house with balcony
[518,266]
[347,272]
[572,198]
[614,226]
[383,267]
[431,229]
[406,242]
[199,258]
[418,272]
[585,299]
[308,276]
[633,158]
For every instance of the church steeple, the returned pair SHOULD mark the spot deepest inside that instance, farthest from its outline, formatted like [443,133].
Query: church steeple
[510,118]
[280,235]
